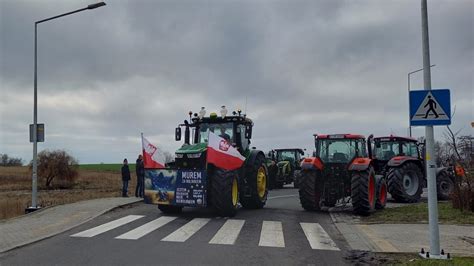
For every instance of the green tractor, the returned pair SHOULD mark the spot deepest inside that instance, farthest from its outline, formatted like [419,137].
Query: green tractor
[341,169]
[194,182]
[284,166]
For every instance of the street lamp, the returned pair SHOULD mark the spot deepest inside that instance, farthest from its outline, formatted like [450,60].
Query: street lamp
[34,205]
[409,118]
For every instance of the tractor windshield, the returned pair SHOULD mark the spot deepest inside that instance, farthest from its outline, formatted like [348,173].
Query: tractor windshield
[223,130]
[286,156]
[340,150]
[385,150]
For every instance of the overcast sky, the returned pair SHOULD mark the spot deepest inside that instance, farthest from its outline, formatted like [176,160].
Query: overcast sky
[306,67]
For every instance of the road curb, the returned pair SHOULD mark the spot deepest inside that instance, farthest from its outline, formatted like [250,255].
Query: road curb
[32,241]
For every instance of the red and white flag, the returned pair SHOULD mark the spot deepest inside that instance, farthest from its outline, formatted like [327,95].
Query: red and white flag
[221,153]
[152,157]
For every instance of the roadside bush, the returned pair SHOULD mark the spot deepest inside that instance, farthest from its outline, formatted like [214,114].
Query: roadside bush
[6,160]
[57,169]
[463,194]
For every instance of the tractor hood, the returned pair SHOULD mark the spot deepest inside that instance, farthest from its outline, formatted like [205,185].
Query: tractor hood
[192,148]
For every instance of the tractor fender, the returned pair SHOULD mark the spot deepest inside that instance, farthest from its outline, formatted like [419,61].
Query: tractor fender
[312,163]
[400,160]
[251,160]
[360,164]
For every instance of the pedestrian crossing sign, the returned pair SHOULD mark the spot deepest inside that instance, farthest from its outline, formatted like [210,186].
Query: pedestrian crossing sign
[430,107]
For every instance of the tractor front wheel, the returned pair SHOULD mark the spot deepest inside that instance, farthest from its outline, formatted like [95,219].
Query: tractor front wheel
[257,180]
[225,192]
[405,183]
[310,190]
[444,185]
[363,191]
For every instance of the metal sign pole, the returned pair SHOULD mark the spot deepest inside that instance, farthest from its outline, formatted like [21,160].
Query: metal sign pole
[429,134]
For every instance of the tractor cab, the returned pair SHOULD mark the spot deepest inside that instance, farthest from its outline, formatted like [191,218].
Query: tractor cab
[293,156]
[340,149]
[235,129]
[383,149]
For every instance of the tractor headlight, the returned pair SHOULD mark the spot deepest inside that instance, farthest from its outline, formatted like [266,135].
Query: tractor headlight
[193,155]
[179,155]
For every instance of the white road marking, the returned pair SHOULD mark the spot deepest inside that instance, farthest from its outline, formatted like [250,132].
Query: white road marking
[272,235]
[283,196]
[228,233]
[107,226]
[187,230]
[317,237]
[146,228]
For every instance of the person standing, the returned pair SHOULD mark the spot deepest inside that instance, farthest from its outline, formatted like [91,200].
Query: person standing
[140,170]
[125,178]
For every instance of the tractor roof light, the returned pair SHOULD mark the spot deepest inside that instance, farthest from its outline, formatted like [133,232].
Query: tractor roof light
[202,112]
[223,111]
[213,115]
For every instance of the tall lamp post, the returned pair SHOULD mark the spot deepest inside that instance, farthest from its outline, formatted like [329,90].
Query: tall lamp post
[34,205]
[409,118]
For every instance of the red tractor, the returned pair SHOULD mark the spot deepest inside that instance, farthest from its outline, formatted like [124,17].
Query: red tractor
[341,168]
[400,160]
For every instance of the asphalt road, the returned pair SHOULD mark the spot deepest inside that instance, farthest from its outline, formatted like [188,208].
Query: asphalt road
[139,234]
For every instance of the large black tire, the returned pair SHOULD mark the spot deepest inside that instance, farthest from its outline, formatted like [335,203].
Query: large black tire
[222,182]
[170,208]
[363,191]
[310,190]
[381,193]
[258,197]
[296,178]
[444,185]
[405,183]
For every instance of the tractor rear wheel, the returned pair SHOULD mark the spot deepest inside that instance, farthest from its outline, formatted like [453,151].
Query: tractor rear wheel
[444,185]
[225,192]
[363,191]
[170,208]
[310,190]
[381,194]
[257,180]
[405,183]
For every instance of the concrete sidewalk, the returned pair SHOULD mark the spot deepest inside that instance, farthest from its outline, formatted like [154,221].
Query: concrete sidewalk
[48,222]
[455,239]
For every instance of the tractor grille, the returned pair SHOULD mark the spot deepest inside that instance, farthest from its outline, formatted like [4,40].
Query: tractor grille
[191,163]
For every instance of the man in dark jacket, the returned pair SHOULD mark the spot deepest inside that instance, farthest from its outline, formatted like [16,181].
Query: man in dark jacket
[125,178]
[140,169]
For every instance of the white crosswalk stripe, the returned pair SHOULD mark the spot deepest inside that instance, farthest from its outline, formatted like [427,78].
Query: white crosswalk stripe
[272,235]
[187,230]
[146,228]
[228,233]
[108,226]
[317,237]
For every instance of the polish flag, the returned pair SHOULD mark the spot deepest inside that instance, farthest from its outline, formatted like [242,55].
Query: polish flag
[221,153]
[152,157]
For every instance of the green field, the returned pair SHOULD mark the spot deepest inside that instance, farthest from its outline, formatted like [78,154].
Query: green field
[104,167]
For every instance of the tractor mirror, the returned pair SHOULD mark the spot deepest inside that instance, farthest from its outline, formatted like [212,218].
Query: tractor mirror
[177,134]
[248,131]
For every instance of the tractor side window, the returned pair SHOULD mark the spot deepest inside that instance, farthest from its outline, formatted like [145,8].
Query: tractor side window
[244,141]
[361,148]
[410,149]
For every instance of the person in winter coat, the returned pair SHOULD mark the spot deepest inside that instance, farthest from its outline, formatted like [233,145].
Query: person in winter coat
[140,170]
[125,178]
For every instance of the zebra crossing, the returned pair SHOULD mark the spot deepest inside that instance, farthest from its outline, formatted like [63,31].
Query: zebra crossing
[271,232]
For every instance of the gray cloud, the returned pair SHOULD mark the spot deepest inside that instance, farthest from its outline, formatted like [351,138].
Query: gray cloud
[304,66]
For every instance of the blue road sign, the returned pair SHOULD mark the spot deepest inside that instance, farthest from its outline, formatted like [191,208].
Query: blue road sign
[430,108]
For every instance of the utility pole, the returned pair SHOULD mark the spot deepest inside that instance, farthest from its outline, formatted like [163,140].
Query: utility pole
[429,135]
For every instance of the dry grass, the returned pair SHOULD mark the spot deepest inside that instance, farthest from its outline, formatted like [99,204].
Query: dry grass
[15,189]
